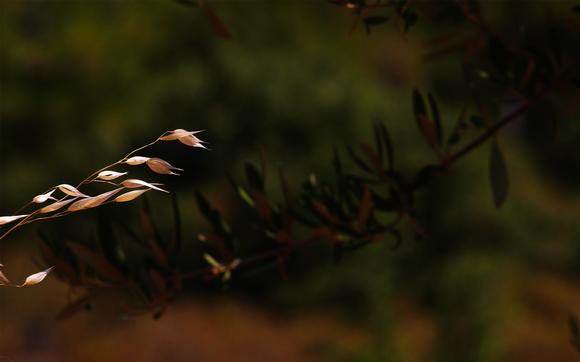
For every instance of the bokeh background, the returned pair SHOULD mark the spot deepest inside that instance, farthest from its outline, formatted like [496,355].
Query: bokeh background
[84,82]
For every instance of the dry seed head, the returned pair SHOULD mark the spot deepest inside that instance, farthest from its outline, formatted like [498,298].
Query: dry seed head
[39,199]
[71,190]
[185,137]
[136,160]
[134,183]
[35,278]
[163,167]
[56,206]
[9,219]
[110,175]
[131,195]
[93,201]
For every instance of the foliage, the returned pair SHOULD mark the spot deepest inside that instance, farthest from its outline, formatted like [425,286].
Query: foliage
[506,76]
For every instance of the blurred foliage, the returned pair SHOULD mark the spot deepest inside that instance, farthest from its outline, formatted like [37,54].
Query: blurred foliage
[406,92]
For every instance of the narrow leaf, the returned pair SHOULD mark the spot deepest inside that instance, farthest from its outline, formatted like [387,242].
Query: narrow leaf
[360,163]
[217,25]
[255,179]
[459,128]
[425,124]
[96,261]
[246,197]
[372,156]
[498,175]
[364,210]
[211,261]
[152,236]
[436,118]
[388,146]
[323,211]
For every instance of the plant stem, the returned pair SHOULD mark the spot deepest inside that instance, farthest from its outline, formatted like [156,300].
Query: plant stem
[491,131]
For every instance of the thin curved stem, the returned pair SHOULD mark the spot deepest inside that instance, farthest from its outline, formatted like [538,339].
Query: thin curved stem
[491,131]
[91,178]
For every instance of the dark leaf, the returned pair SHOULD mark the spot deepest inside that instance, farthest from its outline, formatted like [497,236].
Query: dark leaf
[210,214]
[262,206]
[323,212]
[245,196]
[108,242]
[436,118]
[372,156]
[364,210]
[378,140]
[255,179]
[216,23]
[419,104]
[96,261]
[153,240]
[220,226]
[398,238]
[425,124]
[459,128]
[359,162]
[388,146]
[498,175]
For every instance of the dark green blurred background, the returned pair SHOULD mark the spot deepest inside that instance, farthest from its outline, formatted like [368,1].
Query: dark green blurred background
[84,82]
